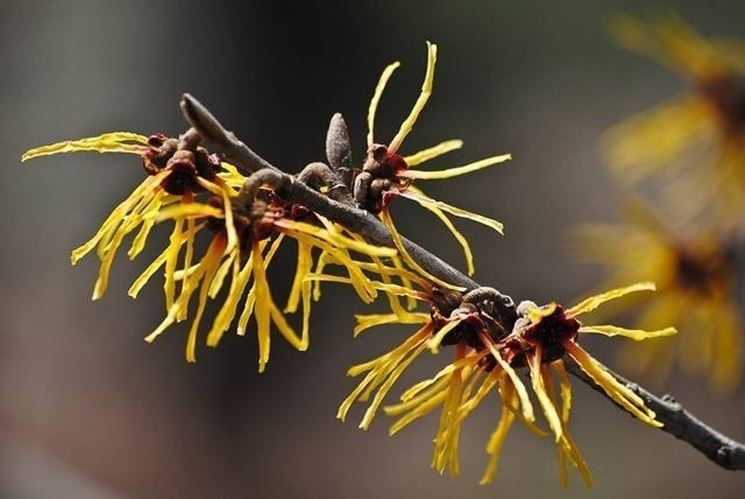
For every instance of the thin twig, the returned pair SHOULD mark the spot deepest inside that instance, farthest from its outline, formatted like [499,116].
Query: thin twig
[235,151]
[678,422]
[355,219]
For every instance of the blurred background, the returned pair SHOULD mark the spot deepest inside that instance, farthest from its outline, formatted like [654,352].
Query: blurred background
[87,409]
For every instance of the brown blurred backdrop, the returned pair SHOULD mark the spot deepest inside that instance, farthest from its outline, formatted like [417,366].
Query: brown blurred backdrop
[89,410]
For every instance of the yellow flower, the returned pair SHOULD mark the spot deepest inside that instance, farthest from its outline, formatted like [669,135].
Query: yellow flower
[386,173]
[487,359]
[174,177]
[697,136]
[243,240]
[220,263]
[697,291]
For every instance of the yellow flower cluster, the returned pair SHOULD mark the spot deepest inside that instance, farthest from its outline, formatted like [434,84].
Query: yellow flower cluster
[483,364]
[205,197]
[235,254]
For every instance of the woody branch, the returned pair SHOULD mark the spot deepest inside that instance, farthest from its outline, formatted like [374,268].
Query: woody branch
[722,450]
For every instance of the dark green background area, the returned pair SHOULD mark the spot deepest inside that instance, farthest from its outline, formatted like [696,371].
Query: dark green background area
[87,409]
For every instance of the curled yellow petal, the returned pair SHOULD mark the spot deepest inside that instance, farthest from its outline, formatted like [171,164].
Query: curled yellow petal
[393,300]
[365,322]
[335,238]
[191,231]
[428,202]
[228,209]
[565,389]
[227,312]
[138,244]
[211,262]
[219,278]
[455,232]
[498,436]
[187,210]
[446,451]
[115,219]
[143,278]
[421,101]
[357,278]
[385,216]
[262,306]
[468,405]
[456,171]
[418,390]
[634,334]
[539,388]
[114,236]
[388,383]
[621,394]
[373,108]
[248,306]
[304,266]
[305,332]
[181,304]
[526,406]
[418,409]
[169,284]
[567,449]
[434,343]
[124,142]
[287,332]
[433,152]
[397,270]
[379,369]
[102,282]
[323,260]
[593,302]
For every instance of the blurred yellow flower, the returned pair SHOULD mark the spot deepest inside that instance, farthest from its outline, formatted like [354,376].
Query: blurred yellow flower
[695,139]
[697,294]
[486,360]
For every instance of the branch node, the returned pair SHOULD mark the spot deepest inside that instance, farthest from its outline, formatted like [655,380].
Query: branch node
[724,455]
[317,175]
[673,402]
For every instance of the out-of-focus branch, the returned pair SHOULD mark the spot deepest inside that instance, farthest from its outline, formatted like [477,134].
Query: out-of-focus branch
[678,422]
